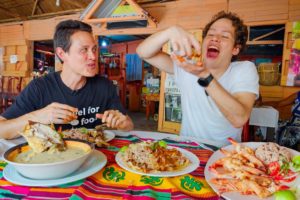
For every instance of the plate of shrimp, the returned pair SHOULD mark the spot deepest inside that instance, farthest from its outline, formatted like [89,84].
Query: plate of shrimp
[236,172]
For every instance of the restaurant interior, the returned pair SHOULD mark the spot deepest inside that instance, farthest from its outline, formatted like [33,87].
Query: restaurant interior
[153,102]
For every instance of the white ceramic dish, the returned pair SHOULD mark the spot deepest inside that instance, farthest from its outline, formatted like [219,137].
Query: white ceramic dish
[191,167]
[48,170]
[95,162]
[109,135]
[235,195]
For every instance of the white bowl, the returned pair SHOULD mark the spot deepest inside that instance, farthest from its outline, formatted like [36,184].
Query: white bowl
[48,170]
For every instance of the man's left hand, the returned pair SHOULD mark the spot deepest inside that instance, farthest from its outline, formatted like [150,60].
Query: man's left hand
[115,119]
[198,69]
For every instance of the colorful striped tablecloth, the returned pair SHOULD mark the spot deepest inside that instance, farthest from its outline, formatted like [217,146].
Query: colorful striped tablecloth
[112,182]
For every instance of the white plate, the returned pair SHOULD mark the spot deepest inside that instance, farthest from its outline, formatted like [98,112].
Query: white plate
[191,167]
[236,195]
[109,135]
[95,162]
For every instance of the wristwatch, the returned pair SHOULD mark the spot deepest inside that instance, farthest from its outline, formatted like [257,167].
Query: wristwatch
[204,82]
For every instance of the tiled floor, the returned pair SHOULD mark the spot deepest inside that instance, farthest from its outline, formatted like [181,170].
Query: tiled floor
[141,123]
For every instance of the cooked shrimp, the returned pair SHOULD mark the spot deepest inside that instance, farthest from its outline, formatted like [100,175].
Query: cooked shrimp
[244,186]
[232,164]
[248,153]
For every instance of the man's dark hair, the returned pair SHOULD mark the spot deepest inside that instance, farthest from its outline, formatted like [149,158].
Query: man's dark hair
[241,31]
[65,29]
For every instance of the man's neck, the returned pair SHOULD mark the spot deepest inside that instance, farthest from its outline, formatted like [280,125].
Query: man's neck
[218,71]
[72,80]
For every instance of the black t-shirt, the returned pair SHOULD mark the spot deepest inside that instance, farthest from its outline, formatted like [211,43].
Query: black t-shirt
[96,96]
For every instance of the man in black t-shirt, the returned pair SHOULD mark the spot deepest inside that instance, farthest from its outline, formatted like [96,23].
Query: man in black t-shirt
[74,97]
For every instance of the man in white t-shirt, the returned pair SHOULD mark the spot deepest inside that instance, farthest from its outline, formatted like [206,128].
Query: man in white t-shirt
[217,94]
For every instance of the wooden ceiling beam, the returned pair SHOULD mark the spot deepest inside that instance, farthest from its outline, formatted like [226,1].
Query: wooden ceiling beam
[66,12]
[34,7]
[9,12]
[40,9]
[267,34]
[76,3]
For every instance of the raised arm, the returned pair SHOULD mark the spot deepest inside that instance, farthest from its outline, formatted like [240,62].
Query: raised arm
[181,41]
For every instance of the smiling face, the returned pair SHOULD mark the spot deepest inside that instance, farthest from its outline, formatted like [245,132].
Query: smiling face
[219,44]
[81,58]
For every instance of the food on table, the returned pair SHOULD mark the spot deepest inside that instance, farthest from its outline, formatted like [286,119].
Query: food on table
[41,137]
[285,195]
[50,164]
[243,171]
[271,152]
[296,163]
[45,145]
[30,157]
[153,157]
[296,160]
[96,136]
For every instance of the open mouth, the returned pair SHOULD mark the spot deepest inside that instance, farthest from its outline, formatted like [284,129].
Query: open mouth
[91,66]
[212,52]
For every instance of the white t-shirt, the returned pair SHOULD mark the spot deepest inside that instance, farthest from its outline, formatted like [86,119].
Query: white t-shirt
[201,116]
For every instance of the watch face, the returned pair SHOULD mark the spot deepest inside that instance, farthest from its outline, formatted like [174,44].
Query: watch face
[204,82]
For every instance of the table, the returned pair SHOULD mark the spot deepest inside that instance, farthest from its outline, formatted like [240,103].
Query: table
[150,103]
[112,182]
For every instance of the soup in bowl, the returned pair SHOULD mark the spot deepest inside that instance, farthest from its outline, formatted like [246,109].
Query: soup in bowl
[48,164]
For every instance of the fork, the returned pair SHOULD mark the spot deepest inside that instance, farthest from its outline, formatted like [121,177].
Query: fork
[188,140]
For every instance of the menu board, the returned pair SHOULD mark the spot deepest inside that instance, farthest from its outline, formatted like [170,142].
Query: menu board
[172,100]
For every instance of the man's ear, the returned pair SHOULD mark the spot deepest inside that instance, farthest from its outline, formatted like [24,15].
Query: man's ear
[60,53]
[236,50]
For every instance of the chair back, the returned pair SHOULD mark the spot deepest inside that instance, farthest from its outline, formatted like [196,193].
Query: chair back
[11,87]
[246,132]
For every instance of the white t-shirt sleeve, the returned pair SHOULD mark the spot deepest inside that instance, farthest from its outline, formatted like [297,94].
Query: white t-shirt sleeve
[245,78]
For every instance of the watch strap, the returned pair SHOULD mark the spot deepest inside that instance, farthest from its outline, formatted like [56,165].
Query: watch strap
[204,82]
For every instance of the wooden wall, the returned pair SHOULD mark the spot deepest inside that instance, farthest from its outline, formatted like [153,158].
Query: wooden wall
[125,48]
[294,10]
[263,10]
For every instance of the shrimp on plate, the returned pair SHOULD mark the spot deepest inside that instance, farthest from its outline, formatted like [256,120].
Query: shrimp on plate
[240,170]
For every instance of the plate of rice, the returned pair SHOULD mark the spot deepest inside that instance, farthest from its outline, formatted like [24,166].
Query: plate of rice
[156,158]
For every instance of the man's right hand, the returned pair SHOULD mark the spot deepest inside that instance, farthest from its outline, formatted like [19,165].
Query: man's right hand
[56,113]
[182,42]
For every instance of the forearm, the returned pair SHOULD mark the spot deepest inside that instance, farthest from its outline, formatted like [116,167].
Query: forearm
[150,51]
[236,109]
[11,128]
[153,44]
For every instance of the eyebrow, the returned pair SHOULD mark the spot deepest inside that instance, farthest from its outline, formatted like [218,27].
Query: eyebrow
[95,45]
[223,31]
